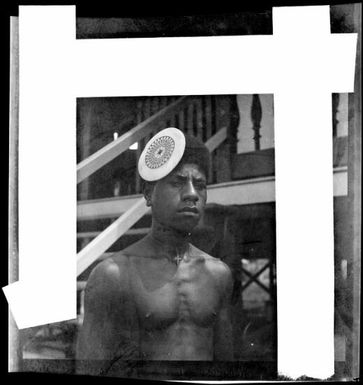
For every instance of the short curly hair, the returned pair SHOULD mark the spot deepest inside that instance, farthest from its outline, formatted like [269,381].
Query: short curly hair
[196,152]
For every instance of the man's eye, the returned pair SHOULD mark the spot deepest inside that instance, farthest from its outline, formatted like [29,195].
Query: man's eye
[176,183]
[200,185]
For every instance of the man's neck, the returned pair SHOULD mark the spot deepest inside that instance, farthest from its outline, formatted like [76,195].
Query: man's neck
[169,240]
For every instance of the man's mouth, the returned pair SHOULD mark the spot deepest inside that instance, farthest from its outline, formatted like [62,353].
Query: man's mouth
[188,209]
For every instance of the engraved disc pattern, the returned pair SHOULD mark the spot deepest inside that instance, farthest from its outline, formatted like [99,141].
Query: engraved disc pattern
[159,152]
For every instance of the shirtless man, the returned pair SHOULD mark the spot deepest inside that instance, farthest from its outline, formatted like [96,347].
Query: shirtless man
[160,298]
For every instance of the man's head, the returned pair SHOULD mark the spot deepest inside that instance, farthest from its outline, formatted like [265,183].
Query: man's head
[178,198]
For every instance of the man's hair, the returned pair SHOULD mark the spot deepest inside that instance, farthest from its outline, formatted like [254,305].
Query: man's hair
[196,152]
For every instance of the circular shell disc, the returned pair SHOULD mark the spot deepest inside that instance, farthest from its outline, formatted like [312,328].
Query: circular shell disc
[161,154]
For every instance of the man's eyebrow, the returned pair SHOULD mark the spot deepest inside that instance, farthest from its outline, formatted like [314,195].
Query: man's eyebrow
[179,176]
[184,177]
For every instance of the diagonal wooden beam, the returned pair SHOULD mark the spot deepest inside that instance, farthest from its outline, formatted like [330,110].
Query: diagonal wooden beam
[104,240]
[217,139]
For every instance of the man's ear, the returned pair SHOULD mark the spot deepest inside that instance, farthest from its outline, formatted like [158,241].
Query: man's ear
[148,190]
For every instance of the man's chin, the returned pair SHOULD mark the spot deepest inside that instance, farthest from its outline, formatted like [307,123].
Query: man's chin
[186,228]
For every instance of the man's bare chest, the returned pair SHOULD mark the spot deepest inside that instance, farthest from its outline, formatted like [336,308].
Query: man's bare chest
[188,294]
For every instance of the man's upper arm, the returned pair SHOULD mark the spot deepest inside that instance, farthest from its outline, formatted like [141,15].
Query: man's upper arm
[223,346]
[109,322]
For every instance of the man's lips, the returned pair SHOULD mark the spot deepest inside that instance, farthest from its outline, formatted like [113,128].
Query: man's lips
[188,209]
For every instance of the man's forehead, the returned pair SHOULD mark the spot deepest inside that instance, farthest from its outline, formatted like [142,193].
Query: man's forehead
[186,168]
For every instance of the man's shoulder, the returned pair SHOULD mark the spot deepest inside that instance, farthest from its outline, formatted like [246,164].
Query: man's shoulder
[214,265]
[120,263]
[110,275]
[112,267]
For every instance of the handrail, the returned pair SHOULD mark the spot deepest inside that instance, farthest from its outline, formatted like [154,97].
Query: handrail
[90,253]
[217,139]
[107,153]
[95,208]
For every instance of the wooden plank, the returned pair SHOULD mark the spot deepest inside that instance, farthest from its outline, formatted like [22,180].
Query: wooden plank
[103,241]
[162,104]
[105,208]
[261,163]
[156,104]
[208,116]
[154,108]
[146,108]
[261,190]
[116,147]
[199,111]
[253,164]
[218,138]
[173,120]
[223,163]
[190,112]
[85,142]
[222,159]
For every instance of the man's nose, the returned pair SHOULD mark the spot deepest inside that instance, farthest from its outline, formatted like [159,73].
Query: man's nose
[189,192]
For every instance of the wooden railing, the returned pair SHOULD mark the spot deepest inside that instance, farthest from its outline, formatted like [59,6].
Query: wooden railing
[164,117]
[200,116]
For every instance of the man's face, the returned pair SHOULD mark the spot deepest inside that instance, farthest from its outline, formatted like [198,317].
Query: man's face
[178,200]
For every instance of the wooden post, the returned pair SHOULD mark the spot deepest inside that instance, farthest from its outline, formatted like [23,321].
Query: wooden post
[354,201]
[15,346]
[155,104]
[181,118]
[85,109]
[223,159]
[256,116]
[199,112]
[154,108]
[208,116]
[209,129]
[163,103]
[173,121]
[139,146]
[145,113]
[189,128]
[335,103]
